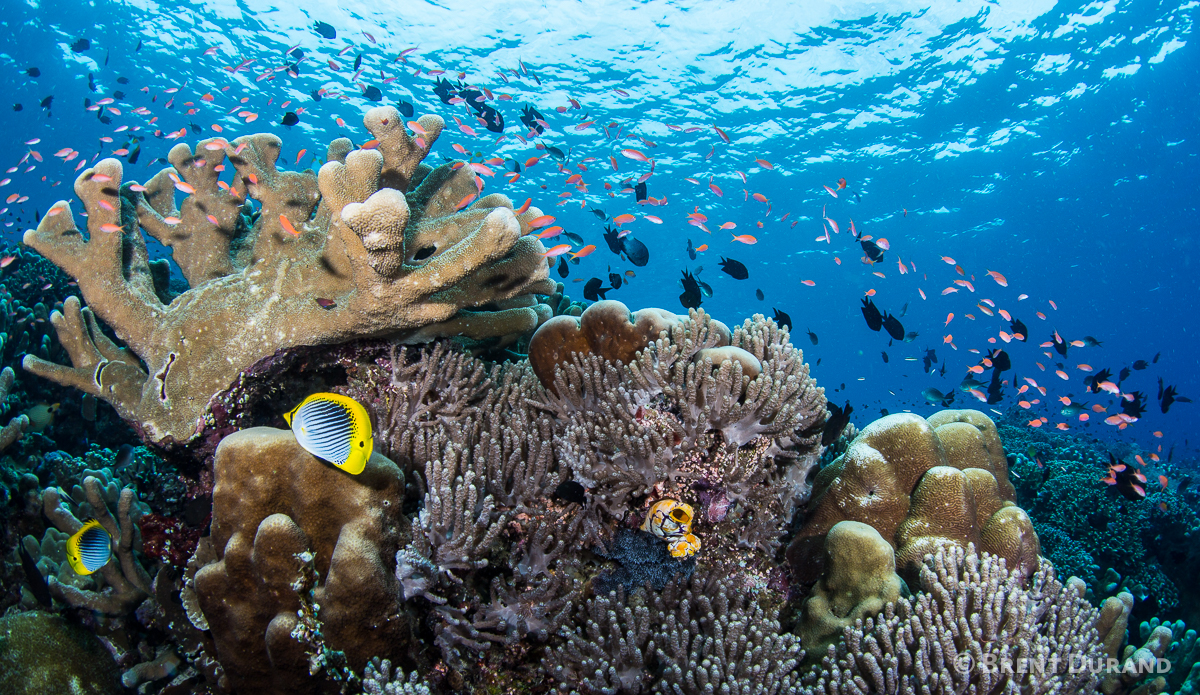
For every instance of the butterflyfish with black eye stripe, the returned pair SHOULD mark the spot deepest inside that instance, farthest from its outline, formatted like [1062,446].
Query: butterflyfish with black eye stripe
[90,548]
[334,428]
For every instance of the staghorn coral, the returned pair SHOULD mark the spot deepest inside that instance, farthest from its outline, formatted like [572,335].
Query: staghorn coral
[273,502]
[378,240]
[897,476]
[971,616]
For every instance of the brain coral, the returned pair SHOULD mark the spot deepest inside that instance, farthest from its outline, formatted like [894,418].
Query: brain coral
[920,483]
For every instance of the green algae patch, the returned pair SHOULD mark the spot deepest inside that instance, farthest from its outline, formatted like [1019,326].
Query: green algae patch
[42,653]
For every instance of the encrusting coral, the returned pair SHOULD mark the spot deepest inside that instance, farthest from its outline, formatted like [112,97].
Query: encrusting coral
[376,244]
[920,491]
[286,525]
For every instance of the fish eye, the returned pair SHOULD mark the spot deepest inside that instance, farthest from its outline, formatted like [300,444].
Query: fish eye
[362,444]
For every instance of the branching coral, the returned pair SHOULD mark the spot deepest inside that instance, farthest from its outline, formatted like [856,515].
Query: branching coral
[379,248]
[974,628]
[16,426]
[704,635]
[379,679]
[126,582]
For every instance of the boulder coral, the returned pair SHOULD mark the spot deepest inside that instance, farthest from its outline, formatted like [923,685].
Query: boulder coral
[296,543]
[860,578]
[920,483]
[375,244]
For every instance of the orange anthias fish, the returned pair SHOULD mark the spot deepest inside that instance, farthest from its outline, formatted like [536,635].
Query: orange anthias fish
[745,238]
[557,250]
[585,251]
[841,184]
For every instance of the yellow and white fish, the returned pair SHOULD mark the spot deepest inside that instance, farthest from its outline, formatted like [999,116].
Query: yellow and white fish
[90,548]
[335,428]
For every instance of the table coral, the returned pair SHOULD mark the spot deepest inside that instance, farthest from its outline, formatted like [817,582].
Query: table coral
[273,502]
[379,248]
[919,493]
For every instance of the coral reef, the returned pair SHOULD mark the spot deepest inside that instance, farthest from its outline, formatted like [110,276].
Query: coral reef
[286,525]
[860,577]
[373,245]
[921,484]
[971,615]
[43,653]
[522,497]
[1150,546]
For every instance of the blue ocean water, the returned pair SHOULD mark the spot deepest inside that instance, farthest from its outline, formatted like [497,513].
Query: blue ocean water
[1054,143]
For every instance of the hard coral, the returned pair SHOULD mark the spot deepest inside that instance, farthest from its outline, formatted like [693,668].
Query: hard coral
[606,329]
[860,578]
[379,248]
[920,492]
[975,627]
[276,509]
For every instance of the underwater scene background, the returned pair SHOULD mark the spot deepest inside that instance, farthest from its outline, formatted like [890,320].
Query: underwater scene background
[670,347]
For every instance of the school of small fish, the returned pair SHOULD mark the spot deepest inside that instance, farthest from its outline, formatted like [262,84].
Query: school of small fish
[576,156]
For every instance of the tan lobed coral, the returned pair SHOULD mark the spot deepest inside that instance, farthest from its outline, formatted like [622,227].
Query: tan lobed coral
[860,578]
[296,542]
[606,329]
[16,426]
[920,491]
[380,249]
